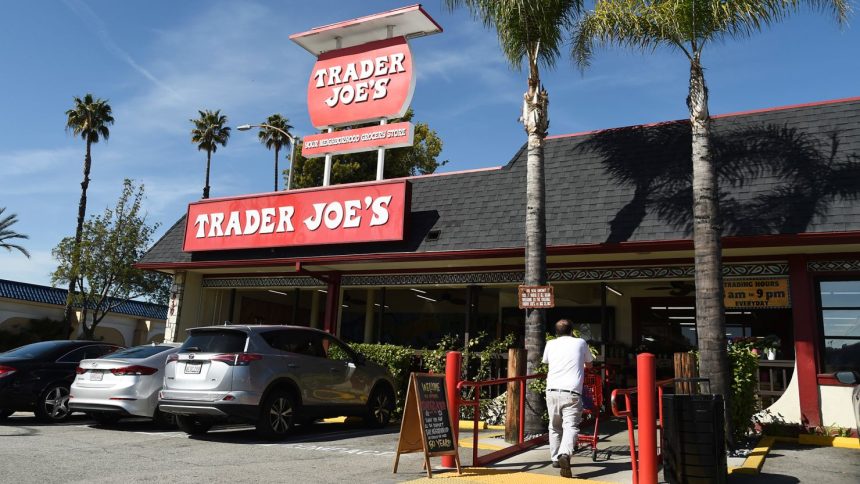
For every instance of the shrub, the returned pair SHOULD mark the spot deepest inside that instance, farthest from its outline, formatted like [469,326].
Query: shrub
[744,401]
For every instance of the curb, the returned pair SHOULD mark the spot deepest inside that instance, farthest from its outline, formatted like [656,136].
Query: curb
[754,462]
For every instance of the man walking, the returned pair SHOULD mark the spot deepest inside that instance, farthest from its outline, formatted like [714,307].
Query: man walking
[567,358]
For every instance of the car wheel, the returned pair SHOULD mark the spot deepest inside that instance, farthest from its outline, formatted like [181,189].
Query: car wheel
[277,416]
[163,419]
[4,414]
[380,406]
[105,418]
[193,425]
[53,404]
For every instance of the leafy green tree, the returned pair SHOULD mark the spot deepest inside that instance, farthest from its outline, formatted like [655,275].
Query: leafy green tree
[418,159]
[209,132]
[687,26]
[111,244]
[531,32]
[7,234]
[89,119]
[274,139]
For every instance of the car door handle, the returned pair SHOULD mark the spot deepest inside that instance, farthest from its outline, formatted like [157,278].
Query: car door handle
[292,365]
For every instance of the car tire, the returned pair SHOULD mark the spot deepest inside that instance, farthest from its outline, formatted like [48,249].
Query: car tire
[193,425]
[105,418]
[162,419]
[380,407]
[53,404]
[277,416]
[4,414]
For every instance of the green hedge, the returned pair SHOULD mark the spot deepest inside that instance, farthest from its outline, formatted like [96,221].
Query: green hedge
[37,330]
[398,360]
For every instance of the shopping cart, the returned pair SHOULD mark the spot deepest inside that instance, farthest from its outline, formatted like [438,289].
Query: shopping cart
[592,403]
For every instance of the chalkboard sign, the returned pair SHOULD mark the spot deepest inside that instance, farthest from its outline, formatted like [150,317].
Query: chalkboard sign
[426,425]
[433,405]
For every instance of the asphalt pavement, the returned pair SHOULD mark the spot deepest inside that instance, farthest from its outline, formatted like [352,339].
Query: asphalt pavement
[136,451]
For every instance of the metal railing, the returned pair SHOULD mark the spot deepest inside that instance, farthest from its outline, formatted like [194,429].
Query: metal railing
[628,413]
[475,402]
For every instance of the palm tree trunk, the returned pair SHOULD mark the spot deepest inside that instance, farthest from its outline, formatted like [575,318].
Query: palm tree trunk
[276,168]
[76,249]
[208,161]
[710,314]
[535,121]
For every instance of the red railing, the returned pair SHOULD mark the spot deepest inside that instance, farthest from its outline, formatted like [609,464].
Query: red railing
[628,413]
[475,402]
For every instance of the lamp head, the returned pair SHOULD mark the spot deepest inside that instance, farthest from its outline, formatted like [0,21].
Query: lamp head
[244,127]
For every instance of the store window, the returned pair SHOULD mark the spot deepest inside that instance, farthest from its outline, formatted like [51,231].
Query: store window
[840,321]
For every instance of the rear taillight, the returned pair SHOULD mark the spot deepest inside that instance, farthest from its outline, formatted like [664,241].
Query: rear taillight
[237,359]
[80,371]
[134,370]
[172,357]
[6,371]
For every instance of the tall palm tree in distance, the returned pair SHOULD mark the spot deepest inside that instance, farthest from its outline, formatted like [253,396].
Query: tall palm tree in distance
[7,234]
[209,132]
[687,26]
[531,32]
[273,138]
[89,119]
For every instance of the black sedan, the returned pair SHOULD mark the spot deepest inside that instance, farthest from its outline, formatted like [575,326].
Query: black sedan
[36,377]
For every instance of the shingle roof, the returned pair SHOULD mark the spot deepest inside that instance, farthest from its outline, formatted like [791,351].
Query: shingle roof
[23,291]
[783,171]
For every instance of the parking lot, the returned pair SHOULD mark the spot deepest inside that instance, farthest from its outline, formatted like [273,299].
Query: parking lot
[136,451]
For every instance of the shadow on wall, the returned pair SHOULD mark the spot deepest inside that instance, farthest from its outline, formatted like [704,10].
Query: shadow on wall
[796,176]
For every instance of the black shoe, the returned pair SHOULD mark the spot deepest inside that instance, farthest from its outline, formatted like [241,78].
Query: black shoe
[564,464]
[555,464]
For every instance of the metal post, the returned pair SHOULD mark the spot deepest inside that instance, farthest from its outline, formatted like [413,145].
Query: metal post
[327,169]
[646,377]
[292,163]
[380,156]
[453,360]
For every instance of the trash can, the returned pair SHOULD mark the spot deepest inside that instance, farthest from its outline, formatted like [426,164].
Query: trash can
[693,439]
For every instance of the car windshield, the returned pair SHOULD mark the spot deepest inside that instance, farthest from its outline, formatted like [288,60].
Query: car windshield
[35,350]
[144,351]
[215,341]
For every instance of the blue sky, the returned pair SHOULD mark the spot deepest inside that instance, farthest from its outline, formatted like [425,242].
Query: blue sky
[159,61]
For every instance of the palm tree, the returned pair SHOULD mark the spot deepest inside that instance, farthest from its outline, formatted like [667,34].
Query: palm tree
[688,26]
[89,119]
[531,32]
[209,132]
[7,234]
[273,138]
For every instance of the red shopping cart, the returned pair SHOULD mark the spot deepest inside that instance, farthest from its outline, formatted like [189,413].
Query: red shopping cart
[592,402]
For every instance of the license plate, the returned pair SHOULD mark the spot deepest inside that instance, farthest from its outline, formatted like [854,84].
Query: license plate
[96,376]
[193,368]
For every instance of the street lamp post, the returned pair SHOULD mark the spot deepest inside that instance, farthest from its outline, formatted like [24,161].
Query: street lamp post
[246,127]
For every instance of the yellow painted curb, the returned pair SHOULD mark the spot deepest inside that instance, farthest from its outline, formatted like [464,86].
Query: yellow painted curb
[335,420]
[467,443]
[469,425]
[754,462]
[823,440]
[485,475]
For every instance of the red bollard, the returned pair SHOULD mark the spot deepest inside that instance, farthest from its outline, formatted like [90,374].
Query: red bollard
[646,383]
[453,361]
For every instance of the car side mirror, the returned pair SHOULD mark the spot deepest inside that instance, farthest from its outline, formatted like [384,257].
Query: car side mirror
[846,377]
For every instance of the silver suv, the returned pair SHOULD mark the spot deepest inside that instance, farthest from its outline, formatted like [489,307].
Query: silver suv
[272,377]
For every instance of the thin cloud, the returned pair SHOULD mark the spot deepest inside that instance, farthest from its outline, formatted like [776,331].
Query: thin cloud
[94,23]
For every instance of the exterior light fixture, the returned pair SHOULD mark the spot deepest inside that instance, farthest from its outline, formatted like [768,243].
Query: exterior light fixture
[246,127]
[613,290]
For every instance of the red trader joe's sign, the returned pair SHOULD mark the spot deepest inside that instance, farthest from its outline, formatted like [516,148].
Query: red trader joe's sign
[341,215]
[366,82]
[354,140]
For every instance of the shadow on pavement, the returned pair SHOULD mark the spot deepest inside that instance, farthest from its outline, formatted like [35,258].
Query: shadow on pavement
[321,432]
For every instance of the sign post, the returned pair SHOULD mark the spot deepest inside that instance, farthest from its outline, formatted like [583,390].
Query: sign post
[427,425]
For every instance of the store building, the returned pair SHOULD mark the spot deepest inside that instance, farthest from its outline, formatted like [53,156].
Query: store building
[619,252]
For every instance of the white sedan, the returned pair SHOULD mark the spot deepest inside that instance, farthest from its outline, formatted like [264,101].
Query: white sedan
[122,384]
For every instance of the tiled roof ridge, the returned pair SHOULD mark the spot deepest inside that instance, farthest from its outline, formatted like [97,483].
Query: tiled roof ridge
[54,295]
[786,107]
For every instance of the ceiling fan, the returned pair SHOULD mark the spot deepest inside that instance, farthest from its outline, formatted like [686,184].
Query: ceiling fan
[676,288]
